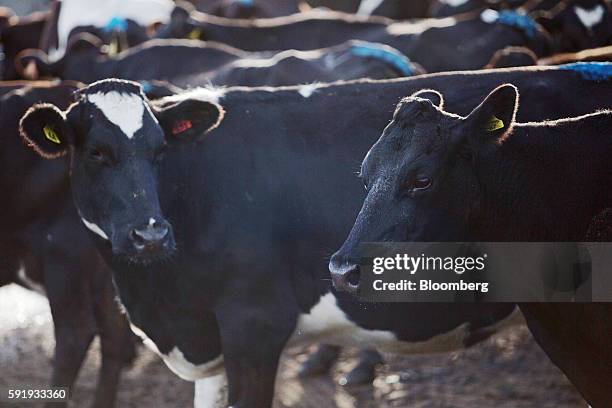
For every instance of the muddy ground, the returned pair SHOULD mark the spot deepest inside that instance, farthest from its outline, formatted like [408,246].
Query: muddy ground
[506,371]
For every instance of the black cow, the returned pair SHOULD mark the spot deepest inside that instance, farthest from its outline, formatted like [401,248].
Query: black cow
[513,57]
[577,24]
[43,248]
[396,9]
[213,240]
[123,23]
[17,35]
[508,182]
[243,9]
[445,8]
[213,63]
[466,42]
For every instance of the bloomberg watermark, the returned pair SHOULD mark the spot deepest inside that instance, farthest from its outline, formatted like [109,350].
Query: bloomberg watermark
[486,272]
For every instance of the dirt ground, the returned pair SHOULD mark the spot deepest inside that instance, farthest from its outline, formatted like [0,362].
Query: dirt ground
[506,371]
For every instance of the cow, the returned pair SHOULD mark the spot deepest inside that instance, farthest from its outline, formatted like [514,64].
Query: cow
[232,230]
[219,64]
[509,182]
[446,8]
[245,9]
[19,34]
[43,249]
[395,9]
[68,16]
[576,24]
[513,57]
[464,42]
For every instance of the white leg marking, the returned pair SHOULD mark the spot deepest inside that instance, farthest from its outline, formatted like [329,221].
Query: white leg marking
[590,18]
[94,228]
[211,392]
[367,7]
[124,110]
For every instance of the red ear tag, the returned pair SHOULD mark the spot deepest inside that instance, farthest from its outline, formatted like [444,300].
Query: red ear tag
[181,126]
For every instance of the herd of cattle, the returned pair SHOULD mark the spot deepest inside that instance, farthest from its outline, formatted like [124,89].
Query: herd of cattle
[205,158]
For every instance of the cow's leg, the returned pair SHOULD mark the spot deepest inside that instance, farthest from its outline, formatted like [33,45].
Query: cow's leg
[71,308]
[252,342]
[117,343]
[365,370]
[319,362]
[211,392]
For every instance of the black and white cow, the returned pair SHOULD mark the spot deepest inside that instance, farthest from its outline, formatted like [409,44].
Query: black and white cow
[445,8]
[16,35]
[463,42]
[218,64]
[213,240]
[577,24]
[511,183]
[110,15]
[396,9]
[43,249]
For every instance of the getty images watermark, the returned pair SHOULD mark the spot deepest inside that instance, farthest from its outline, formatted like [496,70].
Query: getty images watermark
[486,272]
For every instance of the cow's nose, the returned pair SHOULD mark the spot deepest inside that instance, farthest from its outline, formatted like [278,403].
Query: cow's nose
[151,237]
[345,276]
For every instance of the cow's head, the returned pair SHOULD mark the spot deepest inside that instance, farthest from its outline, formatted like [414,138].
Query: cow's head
[116,140]
[421,175]
[578,24]
[182,24]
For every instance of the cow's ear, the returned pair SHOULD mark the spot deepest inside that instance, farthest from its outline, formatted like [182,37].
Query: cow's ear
[189,120]
[494,117]
[435,97]
[44,129]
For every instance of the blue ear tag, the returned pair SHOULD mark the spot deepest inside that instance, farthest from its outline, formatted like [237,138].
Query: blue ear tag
[51,135]
[494,124]
[592,71]
[116,24]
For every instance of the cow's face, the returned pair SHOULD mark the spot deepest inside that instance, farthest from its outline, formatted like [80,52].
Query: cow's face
[116,140]
[421,175]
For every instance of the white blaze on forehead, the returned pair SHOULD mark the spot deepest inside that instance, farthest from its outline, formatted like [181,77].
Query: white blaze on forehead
[126,110]
[94,228]
[367,7]
[590,18]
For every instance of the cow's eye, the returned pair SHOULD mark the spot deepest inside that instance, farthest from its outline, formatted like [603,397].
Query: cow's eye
[420,183]
[96,155]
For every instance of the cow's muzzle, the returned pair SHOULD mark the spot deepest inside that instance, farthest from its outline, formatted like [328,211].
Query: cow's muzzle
[345,276]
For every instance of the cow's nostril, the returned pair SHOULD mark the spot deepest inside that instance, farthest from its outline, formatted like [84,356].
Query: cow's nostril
[151,235]
[137,237]
[354,276]
[346,279]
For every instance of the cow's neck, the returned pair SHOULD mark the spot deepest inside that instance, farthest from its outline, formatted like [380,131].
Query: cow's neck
[545,183]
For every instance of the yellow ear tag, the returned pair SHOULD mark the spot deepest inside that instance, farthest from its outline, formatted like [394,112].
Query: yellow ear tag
[51,135]
[195,34]
[494,124]
[113,47]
